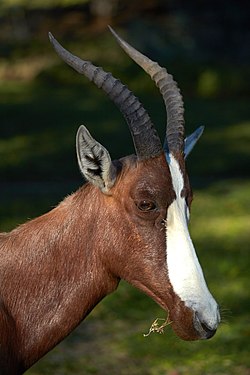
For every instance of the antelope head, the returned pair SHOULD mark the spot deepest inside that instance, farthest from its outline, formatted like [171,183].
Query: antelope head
[147,200]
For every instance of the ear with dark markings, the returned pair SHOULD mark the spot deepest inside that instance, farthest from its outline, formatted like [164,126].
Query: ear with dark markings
[94,161]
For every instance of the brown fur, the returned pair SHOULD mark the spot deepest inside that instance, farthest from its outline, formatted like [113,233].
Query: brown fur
[57,267]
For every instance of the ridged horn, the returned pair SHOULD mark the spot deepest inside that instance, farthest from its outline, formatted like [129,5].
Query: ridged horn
[170,92]
[147,142]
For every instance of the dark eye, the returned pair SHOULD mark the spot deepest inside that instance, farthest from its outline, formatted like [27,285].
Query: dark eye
[146,205]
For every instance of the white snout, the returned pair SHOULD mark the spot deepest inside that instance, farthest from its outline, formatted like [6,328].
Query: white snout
[184,270]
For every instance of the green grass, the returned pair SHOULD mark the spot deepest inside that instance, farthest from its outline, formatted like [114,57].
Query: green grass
[111,341]
[39,123]
[38,167]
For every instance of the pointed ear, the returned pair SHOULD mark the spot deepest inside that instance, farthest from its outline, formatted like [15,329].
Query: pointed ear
[191,140]
[94,161]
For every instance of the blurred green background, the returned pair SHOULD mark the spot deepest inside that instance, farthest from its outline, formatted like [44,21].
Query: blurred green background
[206,46]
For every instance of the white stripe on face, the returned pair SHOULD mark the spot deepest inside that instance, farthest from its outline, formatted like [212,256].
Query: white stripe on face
[184,270]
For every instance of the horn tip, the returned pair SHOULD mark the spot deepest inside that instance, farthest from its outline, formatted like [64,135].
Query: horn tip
[53,41]
[119,40]
[112,31]
[51,37]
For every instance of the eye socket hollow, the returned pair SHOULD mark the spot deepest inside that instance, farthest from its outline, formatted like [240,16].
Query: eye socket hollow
[146,206]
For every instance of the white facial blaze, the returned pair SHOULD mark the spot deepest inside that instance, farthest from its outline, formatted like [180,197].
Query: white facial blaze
[184,270]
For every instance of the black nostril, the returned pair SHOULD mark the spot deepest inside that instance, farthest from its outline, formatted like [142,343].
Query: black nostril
[205,329]
[209,332]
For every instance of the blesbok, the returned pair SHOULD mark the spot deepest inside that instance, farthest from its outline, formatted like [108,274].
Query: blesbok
[128,221]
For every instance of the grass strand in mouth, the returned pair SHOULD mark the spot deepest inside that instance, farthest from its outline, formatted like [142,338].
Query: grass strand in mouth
[157,326]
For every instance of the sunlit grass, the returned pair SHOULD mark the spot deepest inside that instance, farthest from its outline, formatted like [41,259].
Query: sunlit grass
[39,123]
[111,340]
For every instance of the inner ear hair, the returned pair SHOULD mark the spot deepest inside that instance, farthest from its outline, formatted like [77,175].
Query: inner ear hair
[94,161]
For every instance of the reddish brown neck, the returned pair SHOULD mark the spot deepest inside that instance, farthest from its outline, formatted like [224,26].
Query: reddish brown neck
[51,278]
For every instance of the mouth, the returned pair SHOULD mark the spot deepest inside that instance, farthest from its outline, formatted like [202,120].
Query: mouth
[203,329]
[185,322]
